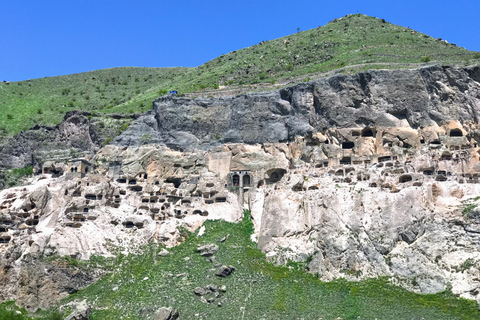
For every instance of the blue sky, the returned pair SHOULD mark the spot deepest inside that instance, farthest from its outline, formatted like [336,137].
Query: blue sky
[49,38]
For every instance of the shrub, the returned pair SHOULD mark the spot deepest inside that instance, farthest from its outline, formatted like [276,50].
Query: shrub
[476,55]
[467,264]
[124,127]
[107,141]
[22,172]
[9,116]
[426,59]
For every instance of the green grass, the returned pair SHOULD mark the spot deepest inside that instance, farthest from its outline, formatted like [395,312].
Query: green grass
[469,205]
[46,100]
[256,290]
[9,311]
[15,177]
[353,43]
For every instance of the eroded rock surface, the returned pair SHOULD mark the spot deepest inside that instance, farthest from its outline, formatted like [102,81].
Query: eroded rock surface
[375,98]
[359,176]
[74,136]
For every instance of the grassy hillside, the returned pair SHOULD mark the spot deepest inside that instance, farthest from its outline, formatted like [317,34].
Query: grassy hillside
[359,40]
[351,40]
[46,100]
[256,289]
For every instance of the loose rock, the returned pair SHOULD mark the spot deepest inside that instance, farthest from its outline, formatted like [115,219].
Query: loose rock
[166,314]
[225,271]
[207,250]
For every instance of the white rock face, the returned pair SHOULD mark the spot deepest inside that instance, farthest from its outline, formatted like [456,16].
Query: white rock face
[353,203]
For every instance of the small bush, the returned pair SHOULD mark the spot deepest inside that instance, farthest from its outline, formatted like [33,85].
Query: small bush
[124,127]
[9,116]
[426,59]
[263,76]
[476,55]
[467,264]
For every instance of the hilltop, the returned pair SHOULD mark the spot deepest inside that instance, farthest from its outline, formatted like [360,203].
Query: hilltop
[348,45]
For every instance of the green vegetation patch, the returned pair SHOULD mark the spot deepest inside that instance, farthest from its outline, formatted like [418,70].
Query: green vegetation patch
[15,177]
[10,311]
[46,100]
[469,206]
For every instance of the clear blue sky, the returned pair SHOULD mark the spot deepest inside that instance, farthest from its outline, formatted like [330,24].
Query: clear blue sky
[49,38]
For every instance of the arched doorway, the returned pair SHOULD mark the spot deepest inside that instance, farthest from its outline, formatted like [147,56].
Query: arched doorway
[246,180]
[236,179]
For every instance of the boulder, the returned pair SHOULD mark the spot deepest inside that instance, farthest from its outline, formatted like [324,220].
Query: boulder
[225,271]
[207,250]
[81,311]
[166,314]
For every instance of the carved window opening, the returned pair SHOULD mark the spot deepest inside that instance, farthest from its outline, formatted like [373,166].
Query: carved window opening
[176,181]
[246,180]
[405,178]
[236,179]
[367,132]
[456,133]
[346,160]
[384,159]
[5,239]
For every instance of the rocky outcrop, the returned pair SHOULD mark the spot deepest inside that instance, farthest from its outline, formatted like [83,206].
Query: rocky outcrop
[375,98]
[72,138]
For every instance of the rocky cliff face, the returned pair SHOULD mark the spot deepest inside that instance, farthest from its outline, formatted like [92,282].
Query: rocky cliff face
[361,176]
[73,137]
[379,98]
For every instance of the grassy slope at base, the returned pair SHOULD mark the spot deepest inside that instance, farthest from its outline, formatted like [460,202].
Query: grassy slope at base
[256,290]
